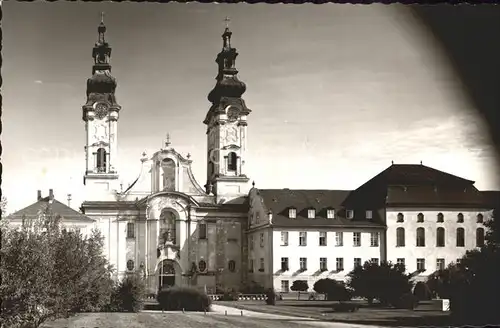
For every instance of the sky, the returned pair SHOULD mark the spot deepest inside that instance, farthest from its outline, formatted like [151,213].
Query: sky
[337,92]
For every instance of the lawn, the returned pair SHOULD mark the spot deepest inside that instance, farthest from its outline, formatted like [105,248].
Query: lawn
[174,320]
[425,314]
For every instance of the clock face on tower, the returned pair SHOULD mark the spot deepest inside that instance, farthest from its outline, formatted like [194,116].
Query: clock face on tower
[101,110]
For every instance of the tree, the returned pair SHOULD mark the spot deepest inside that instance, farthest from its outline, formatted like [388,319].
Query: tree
[472,285]
[385,282]
[299,286]
[333,289]
[3,206]
[50,273]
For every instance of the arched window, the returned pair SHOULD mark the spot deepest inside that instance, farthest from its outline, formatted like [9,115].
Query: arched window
[401,217]
[460,237]
[231,161]
[460,218]
[420,217]
[168,168]
[400,237]
[130,265]
[420,237]
[101,160]
[480,218]
[479,237]
[231,266]
[440,237]
[440,218]
[202,265]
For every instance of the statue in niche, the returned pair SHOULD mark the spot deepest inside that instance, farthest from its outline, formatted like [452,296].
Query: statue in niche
[167,227]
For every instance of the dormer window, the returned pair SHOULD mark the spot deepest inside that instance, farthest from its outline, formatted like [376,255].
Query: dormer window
[330,213]
[369,215]
[311,213]
[292,213]
[350,214]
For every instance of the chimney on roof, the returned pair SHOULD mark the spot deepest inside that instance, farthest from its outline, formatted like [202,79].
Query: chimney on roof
[421,163]
[51,195]
[38,195]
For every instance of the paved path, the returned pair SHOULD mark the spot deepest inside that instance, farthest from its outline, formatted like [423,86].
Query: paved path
[218,309]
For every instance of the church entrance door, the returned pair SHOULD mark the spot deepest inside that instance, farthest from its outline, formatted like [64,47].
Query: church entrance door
[166,275]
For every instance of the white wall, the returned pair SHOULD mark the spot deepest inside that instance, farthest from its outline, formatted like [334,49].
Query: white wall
[450,252]
[313,252]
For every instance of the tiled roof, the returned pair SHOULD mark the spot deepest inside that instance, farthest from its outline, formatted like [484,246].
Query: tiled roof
[439,197]
[492,197]
[279,201]
[59,208]
[415,175]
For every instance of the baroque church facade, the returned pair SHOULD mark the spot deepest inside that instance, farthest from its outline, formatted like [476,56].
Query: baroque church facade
[228,233]
[171,228]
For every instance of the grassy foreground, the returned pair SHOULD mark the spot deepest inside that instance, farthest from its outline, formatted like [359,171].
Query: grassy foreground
[424,315]
[171,320]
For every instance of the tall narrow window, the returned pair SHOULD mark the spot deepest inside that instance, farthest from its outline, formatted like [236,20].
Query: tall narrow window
[202,231]
[460,218]
[421,265]
[401,218]
[440,218]
[251,241]
[284,264]
[400,237]
[440,237]
[311,213]
[439,264]
[339,239]
[420,237]
[303,264]
[231,161]
[284,238]
[479,237]
[420,218]
[251,265]
[350,214]
[374,237]
[322,238]
[101,160]
[292,213]
[480,218]
[261,268]
[261,239]
[302,238]
[330,213]
[356,239]
[285,286]
[339,264]
[323,264]
[357,262]
[369,215]
[460,237]
[130,230]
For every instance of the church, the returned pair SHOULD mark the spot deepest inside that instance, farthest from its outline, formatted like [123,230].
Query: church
[228,233]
